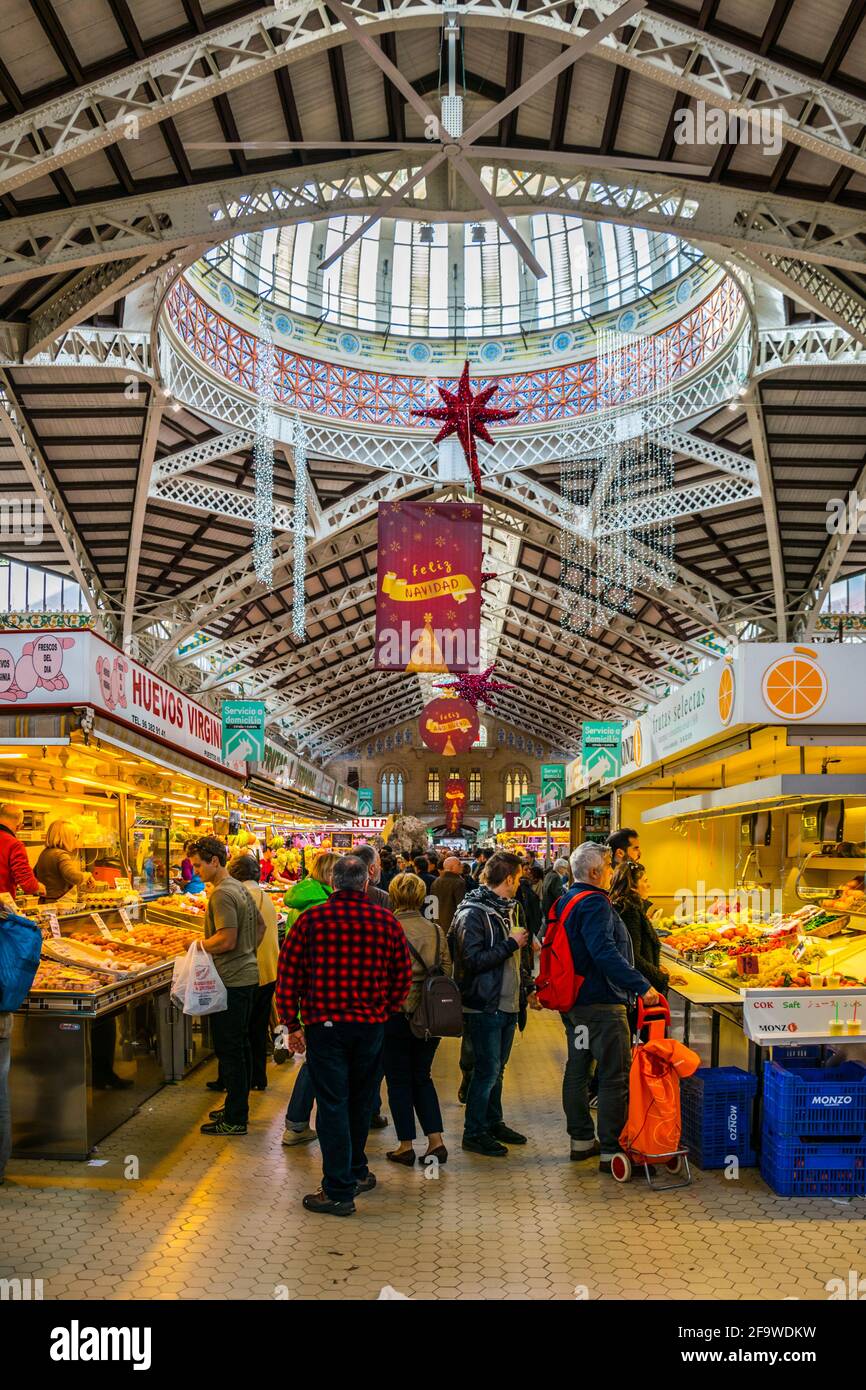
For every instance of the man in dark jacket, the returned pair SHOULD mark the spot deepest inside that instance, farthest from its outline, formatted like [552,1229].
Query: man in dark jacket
[449,889]
[487,947]
[556,880]
[597,1027]
[529,901]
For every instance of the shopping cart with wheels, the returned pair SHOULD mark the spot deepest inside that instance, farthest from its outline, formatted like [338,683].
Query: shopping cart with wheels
[651,1137]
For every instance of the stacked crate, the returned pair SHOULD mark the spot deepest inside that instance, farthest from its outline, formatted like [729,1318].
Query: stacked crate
[716,1104]
[813,1138]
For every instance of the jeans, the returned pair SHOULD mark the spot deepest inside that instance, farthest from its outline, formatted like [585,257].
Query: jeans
[491,1036]
[608,1044]
[467,1060]
[411,1092]
[260,1021]
[5,1112]
[231,1041]
[344,1061]
[303,1099]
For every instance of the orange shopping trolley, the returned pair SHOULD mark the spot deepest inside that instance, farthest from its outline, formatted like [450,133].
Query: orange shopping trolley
[651,1136]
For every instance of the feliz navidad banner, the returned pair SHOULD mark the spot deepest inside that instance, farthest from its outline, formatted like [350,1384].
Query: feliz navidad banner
[428,602]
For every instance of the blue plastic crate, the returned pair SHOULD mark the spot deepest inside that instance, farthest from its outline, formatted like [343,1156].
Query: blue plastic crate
[819,1101]
[820,1168]
[802,1054]
[716,1106]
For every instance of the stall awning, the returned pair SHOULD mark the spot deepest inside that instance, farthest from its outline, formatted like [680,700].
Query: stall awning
[767,794]
[287,799]
[170,758]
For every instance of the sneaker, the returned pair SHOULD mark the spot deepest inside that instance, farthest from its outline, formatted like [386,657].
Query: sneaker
[298,1136]
[484,1144]
[580,1155]
[214,1086]
[218,1114]
[379,1122]
[326,1206]
[366,1184]
[507,1136]
[220,1127]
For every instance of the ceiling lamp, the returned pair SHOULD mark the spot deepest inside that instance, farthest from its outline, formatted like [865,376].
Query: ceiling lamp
[426,234]
[479,233]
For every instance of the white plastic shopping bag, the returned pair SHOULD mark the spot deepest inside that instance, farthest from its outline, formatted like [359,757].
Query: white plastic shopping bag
[196,987]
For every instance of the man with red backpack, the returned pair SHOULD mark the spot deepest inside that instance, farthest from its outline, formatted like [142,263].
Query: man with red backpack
[587,958]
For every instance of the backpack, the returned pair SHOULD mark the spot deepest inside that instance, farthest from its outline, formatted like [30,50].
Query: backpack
[558,985]
[439,1012]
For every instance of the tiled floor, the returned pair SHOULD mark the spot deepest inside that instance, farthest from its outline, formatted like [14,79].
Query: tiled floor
[211,1219]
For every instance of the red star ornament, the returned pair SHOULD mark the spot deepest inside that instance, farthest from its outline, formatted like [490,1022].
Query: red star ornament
[477,689]
[467,416]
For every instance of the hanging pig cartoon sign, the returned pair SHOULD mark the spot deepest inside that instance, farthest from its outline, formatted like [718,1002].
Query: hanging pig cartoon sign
[39,666]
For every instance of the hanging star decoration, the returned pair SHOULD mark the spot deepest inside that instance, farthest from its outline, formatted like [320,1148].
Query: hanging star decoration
[467,416]
[477,689]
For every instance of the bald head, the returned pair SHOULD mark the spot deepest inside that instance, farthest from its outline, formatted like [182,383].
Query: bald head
[11,815]
[452,865]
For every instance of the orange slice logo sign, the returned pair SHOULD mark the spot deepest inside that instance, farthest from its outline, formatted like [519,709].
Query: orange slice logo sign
[638,744]
[726,694]
[795,687]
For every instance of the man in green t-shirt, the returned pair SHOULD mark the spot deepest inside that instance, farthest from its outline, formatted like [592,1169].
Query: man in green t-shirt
[233,928]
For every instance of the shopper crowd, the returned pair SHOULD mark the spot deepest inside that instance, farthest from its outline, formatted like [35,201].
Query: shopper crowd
[366,938]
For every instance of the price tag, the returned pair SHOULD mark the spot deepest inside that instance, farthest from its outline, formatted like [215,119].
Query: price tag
[123,884]
[100,925]
[54,925]
[125,918]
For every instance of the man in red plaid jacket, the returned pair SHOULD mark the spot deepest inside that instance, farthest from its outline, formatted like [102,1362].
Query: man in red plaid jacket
[344,968]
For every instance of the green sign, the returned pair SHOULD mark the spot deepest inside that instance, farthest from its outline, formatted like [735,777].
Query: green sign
[528,804]
[243,731]
[498,824]
[365,802]
[600,749]
[483,828]
[553,783]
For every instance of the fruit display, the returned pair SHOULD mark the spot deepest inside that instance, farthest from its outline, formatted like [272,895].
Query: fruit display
[850,898]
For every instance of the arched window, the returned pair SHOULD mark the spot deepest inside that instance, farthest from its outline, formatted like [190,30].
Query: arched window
[433,789]
[516,785]
[391,791]
[475,784]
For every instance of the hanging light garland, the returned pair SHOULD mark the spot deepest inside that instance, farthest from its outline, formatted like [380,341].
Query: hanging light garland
[263,456]
[600,572]
[299,528]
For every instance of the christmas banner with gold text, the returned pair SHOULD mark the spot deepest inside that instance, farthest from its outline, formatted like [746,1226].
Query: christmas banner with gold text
[428,602]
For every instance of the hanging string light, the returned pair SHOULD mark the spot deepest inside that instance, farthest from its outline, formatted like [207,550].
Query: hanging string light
[615,538]
[299,528]
[263,456]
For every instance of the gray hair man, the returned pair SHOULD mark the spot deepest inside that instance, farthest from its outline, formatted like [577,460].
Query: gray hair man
[369,856]
[554,884]
[597,1026]
[344,969]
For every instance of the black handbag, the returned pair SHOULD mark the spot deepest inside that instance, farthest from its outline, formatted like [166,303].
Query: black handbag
[439,1012]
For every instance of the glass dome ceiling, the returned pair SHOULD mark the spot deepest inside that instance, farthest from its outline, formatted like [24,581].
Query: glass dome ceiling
[453,279]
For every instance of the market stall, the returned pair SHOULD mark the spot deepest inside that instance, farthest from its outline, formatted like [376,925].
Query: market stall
[747,788]
[95,740]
